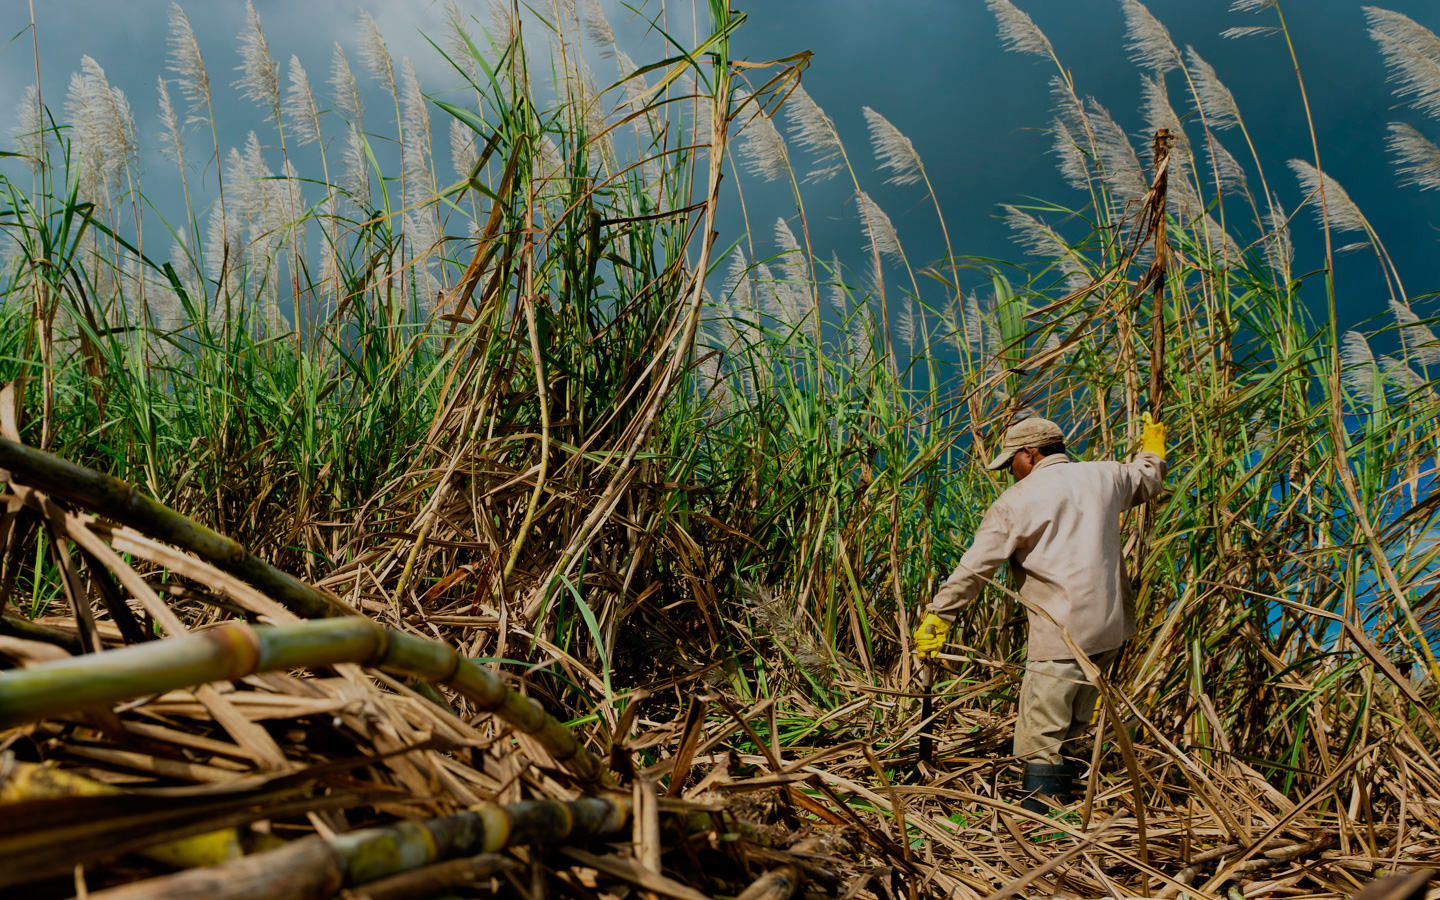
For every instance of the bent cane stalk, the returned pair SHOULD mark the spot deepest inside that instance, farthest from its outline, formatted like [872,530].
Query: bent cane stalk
[319,867]
[123,502]
[234,650]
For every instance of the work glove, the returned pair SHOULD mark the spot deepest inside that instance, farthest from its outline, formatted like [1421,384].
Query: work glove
[931,636]
[1152,436]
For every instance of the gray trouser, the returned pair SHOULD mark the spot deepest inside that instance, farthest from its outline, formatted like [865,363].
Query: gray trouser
[1056,704]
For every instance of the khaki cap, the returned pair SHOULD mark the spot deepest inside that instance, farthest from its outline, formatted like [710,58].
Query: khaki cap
[1031,432]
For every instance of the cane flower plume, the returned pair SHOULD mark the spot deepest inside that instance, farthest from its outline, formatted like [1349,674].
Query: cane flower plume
[1418,160]
[1214,98]
[300,108]
[1150,44]
[1017,31]
[893,150]
[1343,214]
[171,138]
[764,150]
[187,62]
[374,53]
[879,231]
[344,89]
[259,73]
[1412,52]
[814,131]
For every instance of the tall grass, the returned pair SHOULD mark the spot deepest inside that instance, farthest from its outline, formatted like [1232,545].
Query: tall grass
[526,406]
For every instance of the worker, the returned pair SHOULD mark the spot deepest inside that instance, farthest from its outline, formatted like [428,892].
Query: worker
[1059,526]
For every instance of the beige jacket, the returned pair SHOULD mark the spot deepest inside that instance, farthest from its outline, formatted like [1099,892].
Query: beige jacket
[1061,526]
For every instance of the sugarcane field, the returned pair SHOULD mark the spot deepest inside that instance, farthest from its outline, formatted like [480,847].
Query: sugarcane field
[619,476]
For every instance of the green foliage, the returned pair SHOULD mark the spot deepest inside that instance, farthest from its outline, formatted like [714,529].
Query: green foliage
[532,412]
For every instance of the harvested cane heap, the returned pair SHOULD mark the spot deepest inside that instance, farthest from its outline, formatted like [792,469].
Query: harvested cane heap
[292,748]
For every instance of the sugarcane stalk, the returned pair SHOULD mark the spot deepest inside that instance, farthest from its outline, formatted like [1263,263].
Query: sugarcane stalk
[432,881]
[235,650]
[781,882]
[119,500]
[15,626]
[29,781]
[319,867]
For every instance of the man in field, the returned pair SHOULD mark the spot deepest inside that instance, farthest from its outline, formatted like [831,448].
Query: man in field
[1059,525]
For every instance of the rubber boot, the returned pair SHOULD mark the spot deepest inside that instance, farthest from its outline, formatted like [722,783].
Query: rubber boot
[1055,781]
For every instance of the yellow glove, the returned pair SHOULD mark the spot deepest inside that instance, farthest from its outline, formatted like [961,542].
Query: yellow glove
[1152,436]
[931,636]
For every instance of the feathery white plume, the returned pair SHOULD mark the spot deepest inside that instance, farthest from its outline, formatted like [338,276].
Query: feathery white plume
[1067,106]
[1419,341]
[346,93]
[1400,373]
[1072,135]
[101,121]
[1229,174]
[1159,114]
[1150,43]
[702,107]
[259,74]
[811,129]
[415,131]
[1344,214]
[1041,240]
[187,62]
[879,232]
[1183,198]
[905,325]
[355,182]
[223,248]
[1019,33]
[1209,233]
[1122,170]
[1214,98]
[862,345]
[772,295]
[1412,52]
[29,130]
[740,289]
[838,294]
[463,153]
[959,328]
[457,40]
[1279,251]
[1418,160]
[300,105]
[373,52]
[172,142]
[1249,31]
[764,149]
[183,262]
[893,150]
[1358,371]
[794,285]
[637,99]
[1250,5]
[500,18]
[1074,166]
[598,28]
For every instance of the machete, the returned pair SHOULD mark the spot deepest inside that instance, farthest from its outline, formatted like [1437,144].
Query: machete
[927,707]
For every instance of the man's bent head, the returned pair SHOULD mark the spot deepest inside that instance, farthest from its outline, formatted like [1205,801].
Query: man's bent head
[1030,435]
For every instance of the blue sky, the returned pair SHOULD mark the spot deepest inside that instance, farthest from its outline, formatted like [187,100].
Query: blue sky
[933,67]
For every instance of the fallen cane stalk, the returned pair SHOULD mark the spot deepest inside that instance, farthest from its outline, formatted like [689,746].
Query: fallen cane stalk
[781,882]
[121,501]
[319,867]
[434,880]
[234,650]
